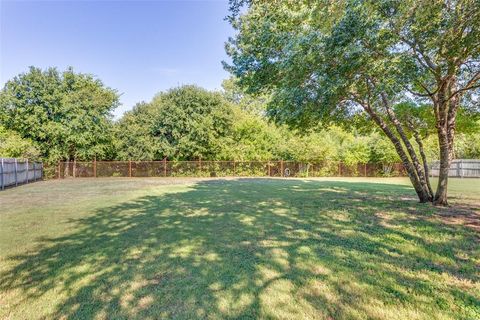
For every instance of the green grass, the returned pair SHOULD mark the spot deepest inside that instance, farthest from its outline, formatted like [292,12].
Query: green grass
[246,248]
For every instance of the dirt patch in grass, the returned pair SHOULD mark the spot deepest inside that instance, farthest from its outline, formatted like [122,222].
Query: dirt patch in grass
[467,215]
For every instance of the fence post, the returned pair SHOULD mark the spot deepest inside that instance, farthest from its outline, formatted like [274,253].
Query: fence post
[74,167]
[460,168]
[339,169]
[365,169]
[165,166]
[234,168]
[95,167]
[16,180]
[58,170]
[130,168]
[26,164]
[268,165]
[34,172]
[1,174]
[281,168]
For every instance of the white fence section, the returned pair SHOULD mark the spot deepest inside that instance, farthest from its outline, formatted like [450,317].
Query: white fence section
[18,171]
[460,168]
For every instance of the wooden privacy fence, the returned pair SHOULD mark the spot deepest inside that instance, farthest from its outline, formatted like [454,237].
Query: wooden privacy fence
[19,171]
[223,169]
[460,168]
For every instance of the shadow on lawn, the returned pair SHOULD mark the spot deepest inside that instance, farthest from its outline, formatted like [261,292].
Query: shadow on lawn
[256,248]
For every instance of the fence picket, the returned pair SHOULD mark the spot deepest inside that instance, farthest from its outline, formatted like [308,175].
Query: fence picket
[14,172]
[1,171]
[460,168]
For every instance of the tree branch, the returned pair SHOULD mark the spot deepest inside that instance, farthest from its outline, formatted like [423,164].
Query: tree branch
[470,85]
[416,164]
[426,62]
[418,139]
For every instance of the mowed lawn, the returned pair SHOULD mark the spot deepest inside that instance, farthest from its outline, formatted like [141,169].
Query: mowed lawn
[238,248]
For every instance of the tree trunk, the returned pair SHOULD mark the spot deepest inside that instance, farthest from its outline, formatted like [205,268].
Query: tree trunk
[419,170]
[445,112]
[421,150]
[441,194]
[66,169]
[420,186]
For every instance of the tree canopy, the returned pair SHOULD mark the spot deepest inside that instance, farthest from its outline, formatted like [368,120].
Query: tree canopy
[329,60]
[66,114]
[183,123]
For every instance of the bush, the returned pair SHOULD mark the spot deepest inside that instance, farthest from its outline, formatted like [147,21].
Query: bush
[12,145]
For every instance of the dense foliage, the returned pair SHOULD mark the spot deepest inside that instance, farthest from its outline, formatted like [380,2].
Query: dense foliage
[184,123]
[189,123]
[12,145]
[247,134]
[67,115]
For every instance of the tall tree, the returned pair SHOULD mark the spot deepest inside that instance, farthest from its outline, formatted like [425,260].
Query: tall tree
[67,115]
[331,59]
[184,123]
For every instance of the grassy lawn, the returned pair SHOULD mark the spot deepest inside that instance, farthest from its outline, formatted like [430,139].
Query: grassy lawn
[246,248]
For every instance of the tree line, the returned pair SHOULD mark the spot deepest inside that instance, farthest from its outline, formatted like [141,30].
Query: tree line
[64,116]
[58,116]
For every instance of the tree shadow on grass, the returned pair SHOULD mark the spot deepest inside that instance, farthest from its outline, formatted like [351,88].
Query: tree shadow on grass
[258,248]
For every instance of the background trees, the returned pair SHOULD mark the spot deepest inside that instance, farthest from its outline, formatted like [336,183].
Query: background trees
[66,115]
[189,123]
[133,135]
[183,123]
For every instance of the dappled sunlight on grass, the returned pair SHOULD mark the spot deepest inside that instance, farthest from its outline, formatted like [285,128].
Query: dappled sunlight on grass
[247,248]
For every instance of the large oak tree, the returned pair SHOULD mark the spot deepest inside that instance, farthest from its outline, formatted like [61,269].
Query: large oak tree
[331,59]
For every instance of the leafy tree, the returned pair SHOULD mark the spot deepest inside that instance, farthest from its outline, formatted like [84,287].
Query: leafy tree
[253,138]
[468,145]
[184,123]
[315,146]
[12,145]
[327,60]
[134,137]
[67,115]
[235,94]
[382,150]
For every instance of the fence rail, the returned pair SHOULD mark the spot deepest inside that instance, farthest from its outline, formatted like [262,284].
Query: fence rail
[223,169]
[460,168]
[15,171]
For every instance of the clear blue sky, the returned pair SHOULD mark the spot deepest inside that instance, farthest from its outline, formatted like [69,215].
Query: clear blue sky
[136,47]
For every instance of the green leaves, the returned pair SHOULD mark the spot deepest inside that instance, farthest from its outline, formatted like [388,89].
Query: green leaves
[68,115]
[12,145]
[184,123]
[322,59]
